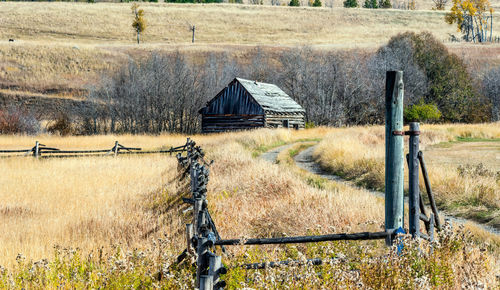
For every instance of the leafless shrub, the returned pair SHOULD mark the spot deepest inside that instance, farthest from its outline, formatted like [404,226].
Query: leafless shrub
[14,120]
[491,89]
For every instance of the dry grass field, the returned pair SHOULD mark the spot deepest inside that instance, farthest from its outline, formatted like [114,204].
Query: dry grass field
[96,203]
[63,48]
[464,177]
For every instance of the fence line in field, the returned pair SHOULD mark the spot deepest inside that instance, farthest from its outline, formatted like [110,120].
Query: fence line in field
[202,236]
[41,150]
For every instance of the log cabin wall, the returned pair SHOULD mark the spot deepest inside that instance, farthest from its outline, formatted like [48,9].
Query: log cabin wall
[222,123]
[277,120]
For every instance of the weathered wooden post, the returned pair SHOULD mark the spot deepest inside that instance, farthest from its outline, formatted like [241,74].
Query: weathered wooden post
[413,174]
[115,149]
[394,202]
[189,239]
[429,190]
[36,152]
[193,28]
[215,269]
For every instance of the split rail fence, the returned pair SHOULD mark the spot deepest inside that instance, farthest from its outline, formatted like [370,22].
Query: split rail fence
[41,150]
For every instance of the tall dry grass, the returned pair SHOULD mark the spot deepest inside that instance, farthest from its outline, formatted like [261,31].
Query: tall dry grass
[84,202]
[471,191]
[133,202]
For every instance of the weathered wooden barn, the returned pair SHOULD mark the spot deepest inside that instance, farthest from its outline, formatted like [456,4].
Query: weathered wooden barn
[246,104]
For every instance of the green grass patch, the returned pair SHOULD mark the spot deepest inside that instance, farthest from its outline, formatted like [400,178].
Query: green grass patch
[256,152]
[472,139]
[461,139]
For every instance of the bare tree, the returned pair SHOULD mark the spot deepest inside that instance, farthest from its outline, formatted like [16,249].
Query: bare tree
[491,89]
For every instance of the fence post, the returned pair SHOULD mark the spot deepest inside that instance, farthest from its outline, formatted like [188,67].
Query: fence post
[189,239]
[115,149]
[36,153]
[413,174]
[394,206]
[428,188]
[215,269]
[193,29]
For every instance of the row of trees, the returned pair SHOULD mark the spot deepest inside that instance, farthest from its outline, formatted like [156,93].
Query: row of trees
[165,91]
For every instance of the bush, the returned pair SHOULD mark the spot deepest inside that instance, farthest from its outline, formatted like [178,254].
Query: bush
[61,126]
[295,3]
[350,3]
[422,112]
[370,4]
[317,3]
[385,4]
[17,121]
[491,89]
[310,125]
[450,85]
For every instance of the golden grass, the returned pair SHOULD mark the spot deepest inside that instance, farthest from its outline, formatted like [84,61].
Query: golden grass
[110,23]
[84,202]
[358,154]
[92,202]
[67,46]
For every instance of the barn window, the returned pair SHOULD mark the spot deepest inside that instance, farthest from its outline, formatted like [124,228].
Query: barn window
[286,123]
[296,126]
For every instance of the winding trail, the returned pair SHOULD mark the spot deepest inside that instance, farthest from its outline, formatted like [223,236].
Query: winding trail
[305,161]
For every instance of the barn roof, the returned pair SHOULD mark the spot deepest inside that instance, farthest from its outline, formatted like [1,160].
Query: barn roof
[270,97]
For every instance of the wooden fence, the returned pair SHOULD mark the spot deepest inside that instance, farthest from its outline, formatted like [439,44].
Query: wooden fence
[202,236]
[42,151]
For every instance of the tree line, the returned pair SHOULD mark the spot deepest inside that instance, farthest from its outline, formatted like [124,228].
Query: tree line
[164,91]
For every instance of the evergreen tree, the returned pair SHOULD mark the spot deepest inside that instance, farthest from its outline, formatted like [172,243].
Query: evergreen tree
[350,3]
[385,4]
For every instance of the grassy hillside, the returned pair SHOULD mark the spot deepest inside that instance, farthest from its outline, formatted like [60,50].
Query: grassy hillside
[61,48]
[110,23]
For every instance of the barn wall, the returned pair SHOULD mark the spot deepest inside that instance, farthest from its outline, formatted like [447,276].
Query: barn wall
[235,100]
[275,120]
[229,122]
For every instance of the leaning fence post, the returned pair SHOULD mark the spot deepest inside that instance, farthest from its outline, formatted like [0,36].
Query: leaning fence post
[413,174]
[428,188]
[394,206]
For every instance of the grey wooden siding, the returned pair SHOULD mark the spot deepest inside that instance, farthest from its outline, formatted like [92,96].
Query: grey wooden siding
[275,120]
[229,122]
[234,99]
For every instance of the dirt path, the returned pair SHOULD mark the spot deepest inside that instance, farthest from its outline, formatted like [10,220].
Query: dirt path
[272,154]
[304,160]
